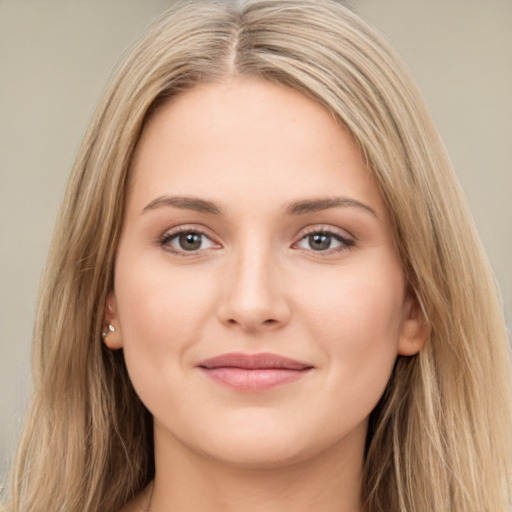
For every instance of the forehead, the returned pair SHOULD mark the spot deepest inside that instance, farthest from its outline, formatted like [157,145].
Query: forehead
[250,136]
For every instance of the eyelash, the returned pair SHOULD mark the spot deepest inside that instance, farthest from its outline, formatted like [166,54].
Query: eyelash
[167,237]
[345,243]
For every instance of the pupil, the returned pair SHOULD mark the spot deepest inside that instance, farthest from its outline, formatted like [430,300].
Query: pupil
[319,241]
[190,241]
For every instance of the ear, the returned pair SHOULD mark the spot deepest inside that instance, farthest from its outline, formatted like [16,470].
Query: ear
[111,331]
[414,329]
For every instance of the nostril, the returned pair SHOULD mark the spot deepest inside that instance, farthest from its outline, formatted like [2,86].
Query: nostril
[269,321]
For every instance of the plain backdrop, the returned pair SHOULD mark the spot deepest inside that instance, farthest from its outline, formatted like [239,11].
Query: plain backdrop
[56,56]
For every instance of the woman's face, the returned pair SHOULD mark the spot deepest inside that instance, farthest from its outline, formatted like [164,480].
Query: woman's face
[258,297]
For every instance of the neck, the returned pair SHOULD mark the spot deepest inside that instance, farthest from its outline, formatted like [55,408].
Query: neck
[329,481]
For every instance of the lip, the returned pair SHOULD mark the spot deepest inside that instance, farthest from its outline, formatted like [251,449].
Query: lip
[253,372]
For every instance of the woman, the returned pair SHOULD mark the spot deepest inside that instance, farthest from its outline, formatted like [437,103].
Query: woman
[263,218]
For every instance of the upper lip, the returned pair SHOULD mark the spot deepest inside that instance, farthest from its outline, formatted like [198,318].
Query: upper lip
[262,361]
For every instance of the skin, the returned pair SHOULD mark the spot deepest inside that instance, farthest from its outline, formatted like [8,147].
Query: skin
[257,283]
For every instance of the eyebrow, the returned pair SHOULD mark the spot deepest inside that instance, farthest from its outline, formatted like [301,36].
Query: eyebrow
[185,203]
[316,205]
[300,207]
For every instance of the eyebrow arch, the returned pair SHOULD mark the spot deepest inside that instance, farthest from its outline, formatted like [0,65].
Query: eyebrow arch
[184,202]
[300,207]
[315,205]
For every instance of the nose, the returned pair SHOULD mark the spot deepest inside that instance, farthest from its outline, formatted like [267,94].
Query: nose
[254,298]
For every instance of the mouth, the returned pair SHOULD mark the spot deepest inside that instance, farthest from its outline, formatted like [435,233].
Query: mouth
[253,372]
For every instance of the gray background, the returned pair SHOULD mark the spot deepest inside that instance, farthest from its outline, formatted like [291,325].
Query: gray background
[56,56]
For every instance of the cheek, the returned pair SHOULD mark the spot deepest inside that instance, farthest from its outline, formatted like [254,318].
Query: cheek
[158,300]
[361,301]
[162,313]
[355,317]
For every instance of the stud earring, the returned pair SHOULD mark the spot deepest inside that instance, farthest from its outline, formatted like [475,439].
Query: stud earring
[109,329]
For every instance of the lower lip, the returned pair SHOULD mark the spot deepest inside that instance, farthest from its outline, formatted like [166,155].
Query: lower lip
[259,379]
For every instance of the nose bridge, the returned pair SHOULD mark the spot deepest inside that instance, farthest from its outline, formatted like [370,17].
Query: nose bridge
[254,297]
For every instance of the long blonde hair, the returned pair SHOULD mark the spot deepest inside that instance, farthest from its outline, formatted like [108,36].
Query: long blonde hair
[439,440]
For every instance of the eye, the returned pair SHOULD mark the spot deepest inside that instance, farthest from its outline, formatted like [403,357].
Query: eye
[324,241]
[187,241]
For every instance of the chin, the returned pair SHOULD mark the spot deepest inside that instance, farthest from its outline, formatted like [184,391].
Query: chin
[263,452]
[266,445]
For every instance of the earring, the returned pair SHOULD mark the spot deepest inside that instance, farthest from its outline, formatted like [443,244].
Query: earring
[109,329]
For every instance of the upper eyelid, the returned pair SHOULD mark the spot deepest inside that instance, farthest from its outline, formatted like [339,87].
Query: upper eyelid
[340,238]
[346,239]
[303,232]
[164,243]
[322,228]
[184,228]
[171,233]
